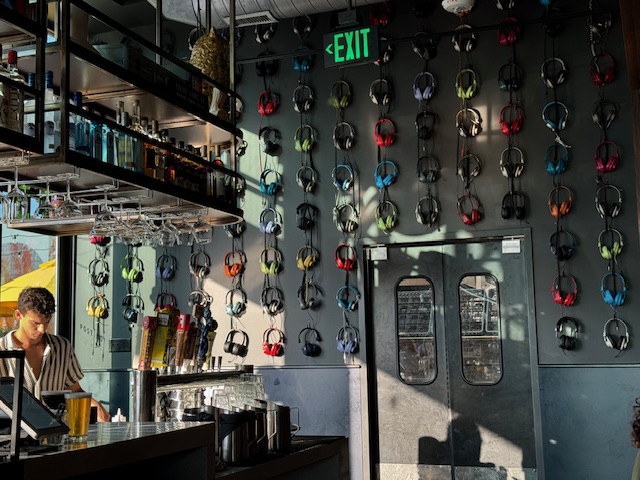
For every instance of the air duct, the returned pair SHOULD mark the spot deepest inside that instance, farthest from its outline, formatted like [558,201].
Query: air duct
[251,12]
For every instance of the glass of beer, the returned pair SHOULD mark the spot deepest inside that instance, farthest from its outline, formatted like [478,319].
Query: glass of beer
[78,413]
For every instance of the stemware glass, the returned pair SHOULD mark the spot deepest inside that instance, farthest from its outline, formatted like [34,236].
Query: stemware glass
[167,234]
[202,232]
[16,201]
[68,208]
[185,232]
[45,209]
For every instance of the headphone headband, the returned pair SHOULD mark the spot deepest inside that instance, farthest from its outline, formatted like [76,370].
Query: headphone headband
[614,275]
[562,121]
[562,324]
[309,330]
[558,279]
[615,319]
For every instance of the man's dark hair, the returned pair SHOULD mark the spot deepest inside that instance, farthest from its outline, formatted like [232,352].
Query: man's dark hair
[37,299]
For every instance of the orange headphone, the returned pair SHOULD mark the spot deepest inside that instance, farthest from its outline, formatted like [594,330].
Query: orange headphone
[559,209]
[231,267]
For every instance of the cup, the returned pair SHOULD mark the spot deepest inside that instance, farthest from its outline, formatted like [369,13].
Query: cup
[78,413]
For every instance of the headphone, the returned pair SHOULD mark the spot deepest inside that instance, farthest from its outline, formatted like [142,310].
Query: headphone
[236,308]
[567,333]
[271,300]
[273,226]
[310,348]
[100,240]
[270,188]
[425,123]
[551,24]
[345,217]
[560,298]
[302,59]
[306,216]
[132,305]
[383,180]
[508,31]
[268,67]
[427,210]
[512,126]
[612,252]
[338,181]
[505,4]
[562,250]
[340,95]
[424,45]
[623,340]
[131,268]
[270,267]
[98,306]
[601,24]
[598,77]
[465,39]
[510,82]
[342,140]
[306,178]
[269,137]
[603,113]
[263,35]
[302,142]
[380,91]
[302,26]
[307,257]
[166,267]
[552,77]
[380,15]
[384,139]
[343,296]
[235,230]
[428,169]
[508,169]
[559,209]
[308,301]
[427,92]
[604,208]
[199,264]
[303,98]
[347,340]
[166,299]
[513,204]
[238,349]
[386,216]
[469,167]
[475,215]
[469,122]
[421,8]
[273,349]
[233,268]
[465,93]
[98,271]
[345,257]
[561,123]
[557,164]
[268,102]
[386,53]
[613,297]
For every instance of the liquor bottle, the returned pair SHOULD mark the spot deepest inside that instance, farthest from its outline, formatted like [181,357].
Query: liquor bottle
[118,137]
[95,139]
[15,113]
[4,94]
[149,153]
[29,127]
[81,127]
[51,115]
[108,145]
[126,145]
[137,145]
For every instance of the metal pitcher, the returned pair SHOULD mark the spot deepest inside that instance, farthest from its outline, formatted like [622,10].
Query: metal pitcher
[279,428]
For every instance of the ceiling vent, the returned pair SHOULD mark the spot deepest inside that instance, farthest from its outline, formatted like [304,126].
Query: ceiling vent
[256,18]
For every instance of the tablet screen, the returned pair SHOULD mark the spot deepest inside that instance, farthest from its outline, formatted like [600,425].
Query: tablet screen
[37,420]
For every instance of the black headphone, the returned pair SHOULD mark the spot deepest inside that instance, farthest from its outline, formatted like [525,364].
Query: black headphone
[428,169]
[553,72]
[427,210]
[386,53]
[559,248]
[424,45]
[603,113]
[344,136]
[98,271]
[567,333]
[267,67]
[422,8]
[513,204]
[235,230]
[469,167]
[469,122]
[132,305]
[622,342]
[271,300]
[381,14]
[234,348]
[509,77]
[509,169]
[303,98]
[345,218]
[302,26]
[465,39]
[310,348]
[307,298]
[425,124]
[306,178]
[607,208]
[551,24]
[600,24]
[264,34]
[306,216]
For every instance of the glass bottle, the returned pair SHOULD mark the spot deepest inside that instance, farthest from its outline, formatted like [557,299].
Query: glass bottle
[81,127]
[51,115]
[137,145]
[4,94]
[15,112]
[118,137]
[29,127]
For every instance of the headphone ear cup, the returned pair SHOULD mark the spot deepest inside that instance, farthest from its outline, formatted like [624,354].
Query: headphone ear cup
[557,296]
[607,297]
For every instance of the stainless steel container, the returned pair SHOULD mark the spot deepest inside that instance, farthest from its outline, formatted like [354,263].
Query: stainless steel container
[143,396]
[279,428]
[234,445]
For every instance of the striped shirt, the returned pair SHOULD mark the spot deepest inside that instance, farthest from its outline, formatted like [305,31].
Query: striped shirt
[60,367]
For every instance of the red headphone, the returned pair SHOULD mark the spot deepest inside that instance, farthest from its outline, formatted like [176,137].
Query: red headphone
[380,15]
[508,32]
[568,299]
[475,215]
[267,102]
[612,163]
[276,348]
[350,259]
[384,139]
[511,127]
[597,76]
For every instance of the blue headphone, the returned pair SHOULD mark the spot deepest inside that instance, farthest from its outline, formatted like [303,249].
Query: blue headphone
[272,187]
[347,340]
[343,297]
[558,163]
[428,90]
[302,59]
[613,298]
[339,182]
[561,123]
[389,178]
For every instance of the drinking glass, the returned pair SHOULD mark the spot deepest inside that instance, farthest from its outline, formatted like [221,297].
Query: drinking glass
[68,208]
[202,232]
[45,208]
[16,201]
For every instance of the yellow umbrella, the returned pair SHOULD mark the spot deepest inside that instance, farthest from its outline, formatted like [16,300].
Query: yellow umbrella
[44,276]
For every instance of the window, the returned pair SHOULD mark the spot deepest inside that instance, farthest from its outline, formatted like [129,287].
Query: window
[415,327]
[479,306]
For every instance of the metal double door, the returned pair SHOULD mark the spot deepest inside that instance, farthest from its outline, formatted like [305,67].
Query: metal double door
[452,393]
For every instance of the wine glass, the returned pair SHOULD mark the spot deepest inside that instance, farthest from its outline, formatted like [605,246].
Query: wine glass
[16,201]
[167,234]
[45,208]
[202,232]
[185,232]
[68,208]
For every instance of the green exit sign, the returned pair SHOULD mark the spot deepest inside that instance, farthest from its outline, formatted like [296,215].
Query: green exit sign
[348,47]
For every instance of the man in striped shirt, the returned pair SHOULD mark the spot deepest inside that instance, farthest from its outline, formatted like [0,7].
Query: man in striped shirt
[51,363]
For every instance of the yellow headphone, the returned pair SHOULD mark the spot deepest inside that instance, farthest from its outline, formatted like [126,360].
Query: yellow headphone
[306,257]
[98,306]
